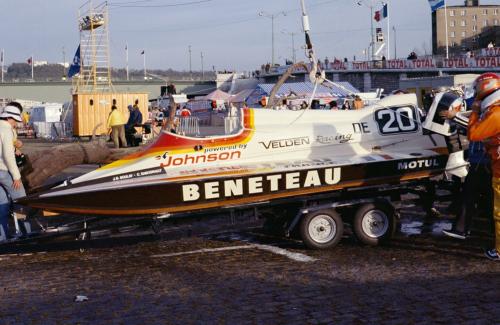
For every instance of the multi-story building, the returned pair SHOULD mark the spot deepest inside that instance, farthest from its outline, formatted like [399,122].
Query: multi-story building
[465,26]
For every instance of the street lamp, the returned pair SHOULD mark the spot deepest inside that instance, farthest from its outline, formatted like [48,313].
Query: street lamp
[202,67]
[272,16]
[395,43]
[292,34]
[190,67]
[64,62]
[372,42]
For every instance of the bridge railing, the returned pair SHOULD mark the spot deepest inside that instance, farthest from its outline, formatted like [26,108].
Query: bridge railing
[484,59]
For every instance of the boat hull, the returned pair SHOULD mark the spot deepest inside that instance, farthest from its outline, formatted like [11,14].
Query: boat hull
[272,155]
[158,196]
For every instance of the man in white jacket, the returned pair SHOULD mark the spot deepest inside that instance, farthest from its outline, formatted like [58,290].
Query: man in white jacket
[10,177]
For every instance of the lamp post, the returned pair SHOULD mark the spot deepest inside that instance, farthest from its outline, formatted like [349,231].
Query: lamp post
[202,67]
[272,17]
[292,34]
[190,70]
[395,43]
[126,61]
[372,42]
[64,63]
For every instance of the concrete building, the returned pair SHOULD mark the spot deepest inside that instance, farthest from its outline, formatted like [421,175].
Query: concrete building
[491,34]
[466,26]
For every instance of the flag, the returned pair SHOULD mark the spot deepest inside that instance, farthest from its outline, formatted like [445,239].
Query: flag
[1,57]
[436,4]
[30,60]
[75,65]
[126,47]
[381,14]
[142,53]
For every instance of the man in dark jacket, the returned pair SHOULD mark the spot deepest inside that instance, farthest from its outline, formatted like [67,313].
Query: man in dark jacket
[134,119]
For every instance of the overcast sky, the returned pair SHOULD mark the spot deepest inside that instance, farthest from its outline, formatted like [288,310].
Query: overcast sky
[230,33]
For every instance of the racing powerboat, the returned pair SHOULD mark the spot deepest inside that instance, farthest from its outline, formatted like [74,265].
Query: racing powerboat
[272,155]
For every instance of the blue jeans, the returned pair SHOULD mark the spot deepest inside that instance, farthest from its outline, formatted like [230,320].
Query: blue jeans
[7,193]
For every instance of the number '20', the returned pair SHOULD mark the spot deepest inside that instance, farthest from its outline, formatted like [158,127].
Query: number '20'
[396,120]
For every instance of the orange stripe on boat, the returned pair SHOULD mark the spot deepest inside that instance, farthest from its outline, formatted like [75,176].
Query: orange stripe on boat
[176,144]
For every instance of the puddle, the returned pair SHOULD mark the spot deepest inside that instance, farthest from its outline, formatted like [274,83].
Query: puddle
[438,227]
[412,228]
[434,227]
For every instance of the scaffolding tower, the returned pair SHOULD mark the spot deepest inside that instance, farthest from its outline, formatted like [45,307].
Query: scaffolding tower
[95,67]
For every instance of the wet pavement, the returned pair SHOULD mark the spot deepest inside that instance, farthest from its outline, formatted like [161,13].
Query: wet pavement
[247,277]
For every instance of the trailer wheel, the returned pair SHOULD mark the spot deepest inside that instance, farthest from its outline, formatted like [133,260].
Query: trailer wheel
[373,223]
[321,229]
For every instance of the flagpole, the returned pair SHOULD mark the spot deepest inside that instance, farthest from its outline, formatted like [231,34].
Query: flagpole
[145,76]
[2,63]
[32,72]
[126,59]
[371,30]
[388,32]
[446,28]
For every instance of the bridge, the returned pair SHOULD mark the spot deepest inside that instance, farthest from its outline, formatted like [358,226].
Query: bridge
[60,92]
[367,75]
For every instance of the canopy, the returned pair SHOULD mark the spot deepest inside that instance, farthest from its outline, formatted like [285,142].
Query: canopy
[242,96]
[342,88]
[217,95]
[337,89]
[303,90]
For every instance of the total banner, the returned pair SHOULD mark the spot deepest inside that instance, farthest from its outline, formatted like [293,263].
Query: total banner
[425,63]
[490,51]
[477,62]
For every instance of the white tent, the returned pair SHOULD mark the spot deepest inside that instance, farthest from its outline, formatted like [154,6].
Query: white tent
[217,95]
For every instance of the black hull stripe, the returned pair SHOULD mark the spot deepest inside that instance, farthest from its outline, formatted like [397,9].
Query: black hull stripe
[168,197]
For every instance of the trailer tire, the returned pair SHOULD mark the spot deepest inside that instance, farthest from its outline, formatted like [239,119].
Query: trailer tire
[374,223]
[321,229]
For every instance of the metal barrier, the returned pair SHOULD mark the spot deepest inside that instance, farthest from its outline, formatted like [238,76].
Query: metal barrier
[188,125]
[52,130]
[231,124]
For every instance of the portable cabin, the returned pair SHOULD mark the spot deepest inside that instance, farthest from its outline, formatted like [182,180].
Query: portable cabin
[91,110]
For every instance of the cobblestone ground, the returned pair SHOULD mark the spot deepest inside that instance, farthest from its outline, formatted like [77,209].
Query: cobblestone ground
[415,280]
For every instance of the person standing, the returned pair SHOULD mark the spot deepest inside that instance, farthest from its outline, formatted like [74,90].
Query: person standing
[116,123]
[185,112]
[484,125]
[130,130]
[10,177]
[474,194]
[358,103]
[138,114]
[134,120]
